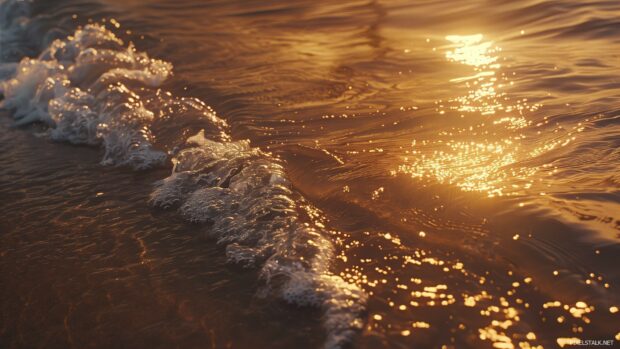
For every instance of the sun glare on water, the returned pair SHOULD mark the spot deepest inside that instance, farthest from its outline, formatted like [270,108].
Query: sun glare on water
[471,50]
[482,150]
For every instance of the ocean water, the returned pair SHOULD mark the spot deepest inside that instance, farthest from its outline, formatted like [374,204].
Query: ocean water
[355,174]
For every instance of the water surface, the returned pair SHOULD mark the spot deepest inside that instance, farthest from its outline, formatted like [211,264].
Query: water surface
[455,164]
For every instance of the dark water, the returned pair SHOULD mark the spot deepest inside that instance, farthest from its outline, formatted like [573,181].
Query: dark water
[431,174]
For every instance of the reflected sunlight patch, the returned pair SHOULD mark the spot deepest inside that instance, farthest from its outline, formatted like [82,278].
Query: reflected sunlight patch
[483,150]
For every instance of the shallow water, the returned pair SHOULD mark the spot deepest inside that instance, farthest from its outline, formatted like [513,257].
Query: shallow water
[455,166]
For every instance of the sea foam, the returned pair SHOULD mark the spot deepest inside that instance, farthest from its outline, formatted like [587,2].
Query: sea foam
[92,89]
[82,87]
[245,197]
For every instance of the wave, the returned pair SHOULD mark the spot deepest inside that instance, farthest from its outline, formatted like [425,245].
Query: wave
[91,88]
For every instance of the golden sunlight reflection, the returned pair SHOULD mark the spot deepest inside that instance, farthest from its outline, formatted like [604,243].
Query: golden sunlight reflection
[482,92]
[422,283]
[482,151]
[471,50]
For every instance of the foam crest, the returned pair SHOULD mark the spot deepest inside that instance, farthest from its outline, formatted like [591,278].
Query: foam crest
[92,89]
[81,86]
[91,36]
[244,196]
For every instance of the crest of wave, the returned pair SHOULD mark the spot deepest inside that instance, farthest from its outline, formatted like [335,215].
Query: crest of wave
[246,199]
[82,87]
[92,89]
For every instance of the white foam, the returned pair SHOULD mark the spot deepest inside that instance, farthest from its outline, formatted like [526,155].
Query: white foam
[245,197]
[80,87]
[92,89]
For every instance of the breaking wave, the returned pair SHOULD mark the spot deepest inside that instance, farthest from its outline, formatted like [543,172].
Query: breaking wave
[91,88]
